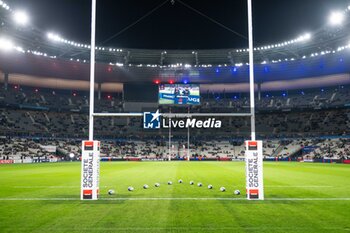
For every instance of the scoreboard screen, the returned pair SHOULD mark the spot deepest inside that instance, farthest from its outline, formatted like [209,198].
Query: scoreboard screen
[179,94]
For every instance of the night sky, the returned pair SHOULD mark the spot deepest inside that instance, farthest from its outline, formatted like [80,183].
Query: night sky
[176,26]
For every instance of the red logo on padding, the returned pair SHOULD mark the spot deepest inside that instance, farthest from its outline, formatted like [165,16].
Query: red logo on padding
[252,145]
[89,145]
[87,194]
[254,193]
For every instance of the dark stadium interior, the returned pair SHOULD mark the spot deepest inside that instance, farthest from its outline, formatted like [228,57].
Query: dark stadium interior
[302,86]
[166,116]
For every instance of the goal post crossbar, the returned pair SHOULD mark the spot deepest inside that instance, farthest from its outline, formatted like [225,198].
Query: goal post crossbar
[92,80]
[91,148]
[174,115]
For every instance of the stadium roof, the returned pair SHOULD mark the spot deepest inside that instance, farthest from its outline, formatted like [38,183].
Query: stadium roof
[43,66]
[35,51]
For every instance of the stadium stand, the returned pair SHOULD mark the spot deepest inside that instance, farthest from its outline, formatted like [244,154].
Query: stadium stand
[284,121]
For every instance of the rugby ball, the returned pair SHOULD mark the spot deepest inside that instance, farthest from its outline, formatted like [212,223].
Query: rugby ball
[111,192]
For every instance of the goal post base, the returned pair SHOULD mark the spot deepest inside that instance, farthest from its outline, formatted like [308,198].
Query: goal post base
[90,170]
[254,170]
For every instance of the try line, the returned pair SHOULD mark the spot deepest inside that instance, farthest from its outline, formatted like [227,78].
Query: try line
[178,199]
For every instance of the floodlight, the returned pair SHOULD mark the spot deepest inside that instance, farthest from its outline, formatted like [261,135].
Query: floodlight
[306,36]
[19,49]
[336,18]
[54,37]
[21,17]
[50,35]
[6,44]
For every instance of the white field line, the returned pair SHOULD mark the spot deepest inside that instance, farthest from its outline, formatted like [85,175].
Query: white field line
[266,186]
[223,199]
[199,229]
[298,186]
[180,199]
[50,187]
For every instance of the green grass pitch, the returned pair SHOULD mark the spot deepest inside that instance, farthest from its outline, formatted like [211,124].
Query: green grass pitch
[300,197]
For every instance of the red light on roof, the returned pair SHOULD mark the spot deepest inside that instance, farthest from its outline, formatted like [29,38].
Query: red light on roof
[16,87]
[171,81]
[74,94]
[109,97]
[157,82]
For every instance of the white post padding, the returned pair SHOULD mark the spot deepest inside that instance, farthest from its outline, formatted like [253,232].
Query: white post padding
[92,70]
[254,170]
[90,170]
[251,70]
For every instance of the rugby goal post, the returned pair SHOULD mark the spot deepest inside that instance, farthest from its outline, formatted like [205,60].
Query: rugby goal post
[91,155]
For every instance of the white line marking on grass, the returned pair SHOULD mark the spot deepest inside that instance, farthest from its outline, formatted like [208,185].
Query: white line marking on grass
[38,199]
[267,186]
[221,199]
[310,199]
[179,199]
[197,229]
[298,186]
[49,187]
[173,198]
